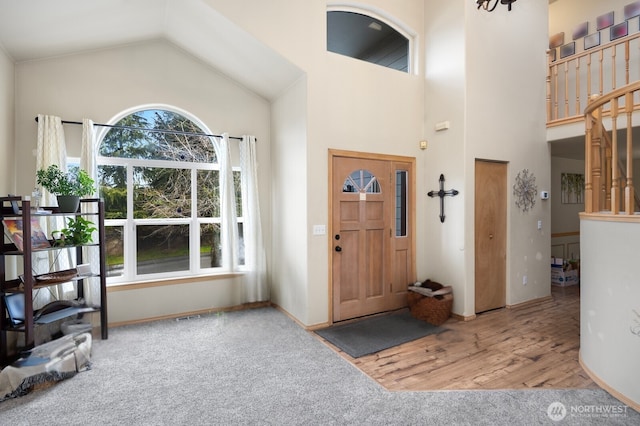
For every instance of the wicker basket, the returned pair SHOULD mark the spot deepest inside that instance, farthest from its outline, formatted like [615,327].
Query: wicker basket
[430,309]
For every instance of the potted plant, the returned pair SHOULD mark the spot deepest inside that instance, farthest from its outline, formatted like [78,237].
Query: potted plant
[68,186]
[78,232]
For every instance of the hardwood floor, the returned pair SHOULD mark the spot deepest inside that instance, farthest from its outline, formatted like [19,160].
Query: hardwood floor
[534,346]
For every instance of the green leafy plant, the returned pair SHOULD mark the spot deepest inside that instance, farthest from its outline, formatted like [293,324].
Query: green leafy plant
[78,231]
[76,181]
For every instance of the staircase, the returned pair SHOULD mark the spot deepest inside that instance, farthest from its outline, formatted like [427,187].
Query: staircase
[602,87]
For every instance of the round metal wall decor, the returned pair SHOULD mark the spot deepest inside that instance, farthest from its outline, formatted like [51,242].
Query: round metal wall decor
[525,190]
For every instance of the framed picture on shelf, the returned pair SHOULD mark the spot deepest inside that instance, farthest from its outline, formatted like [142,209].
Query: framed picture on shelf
[13,230]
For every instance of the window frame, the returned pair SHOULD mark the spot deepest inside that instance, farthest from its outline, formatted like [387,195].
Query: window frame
[130,224]
[394,23]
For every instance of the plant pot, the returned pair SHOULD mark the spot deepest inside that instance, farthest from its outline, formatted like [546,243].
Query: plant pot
[68,203]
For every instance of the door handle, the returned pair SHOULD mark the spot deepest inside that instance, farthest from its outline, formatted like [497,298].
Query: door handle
[491,236]
[338,248]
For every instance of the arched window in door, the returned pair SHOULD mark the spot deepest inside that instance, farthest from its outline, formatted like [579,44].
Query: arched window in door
[361,181]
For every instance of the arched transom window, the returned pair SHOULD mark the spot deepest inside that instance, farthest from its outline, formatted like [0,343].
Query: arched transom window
[367,37]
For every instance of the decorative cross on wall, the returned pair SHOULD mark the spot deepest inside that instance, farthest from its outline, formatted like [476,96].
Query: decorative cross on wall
[442,193]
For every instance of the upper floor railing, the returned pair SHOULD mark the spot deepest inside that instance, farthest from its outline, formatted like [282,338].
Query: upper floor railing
[609,155]
[573,80]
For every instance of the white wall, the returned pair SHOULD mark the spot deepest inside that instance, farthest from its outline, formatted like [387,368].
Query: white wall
[7,140]
[445,93]
[610,305]
[566,15]
[347,104]
[351,105]
[289,279]
[490,87]
[99,85]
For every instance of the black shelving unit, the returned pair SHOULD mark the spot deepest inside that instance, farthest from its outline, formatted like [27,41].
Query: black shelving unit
[20,208]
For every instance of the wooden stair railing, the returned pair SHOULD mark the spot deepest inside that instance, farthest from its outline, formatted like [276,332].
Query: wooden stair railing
[605,170]
[573,80]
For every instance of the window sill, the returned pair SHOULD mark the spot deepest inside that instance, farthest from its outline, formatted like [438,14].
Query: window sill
[171,281]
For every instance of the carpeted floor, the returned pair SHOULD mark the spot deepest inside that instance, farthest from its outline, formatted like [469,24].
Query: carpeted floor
[370,335]
[258,367]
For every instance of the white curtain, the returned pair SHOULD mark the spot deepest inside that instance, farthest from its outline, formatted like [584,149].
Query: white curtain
[255,278]
[51,149]
[90,255]
[88,153]
[229,227]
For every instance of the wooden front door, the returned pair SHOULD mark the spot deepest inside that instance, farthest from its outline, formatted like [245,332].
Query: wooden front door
[372,257]
[490,235]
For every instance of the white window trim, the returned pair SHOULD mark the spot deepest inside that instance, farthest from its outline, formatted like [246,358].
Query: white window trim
[381,15]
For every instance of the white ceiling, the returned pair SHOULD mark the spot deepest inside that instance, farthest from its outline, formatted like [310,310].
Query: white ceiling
[36,29]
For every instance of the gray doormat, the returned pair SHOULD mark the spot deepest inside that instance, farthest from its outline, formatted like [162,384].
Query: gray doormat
[371,335]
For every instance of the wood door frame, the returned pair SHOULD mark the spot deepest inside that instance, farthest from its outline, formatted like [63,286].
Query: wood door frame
[332,153]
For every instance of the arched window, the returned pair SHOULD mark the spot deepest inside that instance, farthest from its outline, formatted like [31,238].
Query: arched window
[159,178]
[361,35]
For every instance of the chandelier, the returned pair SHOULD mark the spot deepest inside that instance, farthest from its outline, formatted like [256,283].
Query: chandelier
[486,4]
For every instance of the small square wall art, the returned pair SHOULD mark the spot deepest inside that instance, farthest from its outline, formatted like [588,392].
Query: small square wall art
[619,30]
[568,49]
[581,30]
[632,10]
[592,40]
[604,21]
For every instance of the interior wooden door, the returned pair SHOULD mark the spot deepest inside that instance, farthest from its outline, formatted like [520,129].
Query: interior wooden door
[490,235]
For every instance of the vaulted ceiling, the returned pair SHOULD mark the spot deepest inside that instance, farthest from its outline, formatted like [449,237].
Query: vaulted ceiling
[36,29]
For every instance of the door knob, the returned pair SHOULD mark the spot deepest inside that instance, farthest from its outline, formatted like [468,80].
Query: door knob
[338,248]
[491,236]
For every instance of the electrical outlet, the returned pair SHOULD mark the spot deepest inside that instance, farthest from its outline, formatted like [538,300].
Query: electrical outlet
[524,280]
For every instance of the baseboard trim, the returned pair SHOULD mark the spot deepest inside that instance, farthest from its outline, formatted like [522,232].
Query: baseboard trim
[463,317]
[619,396]
[294,319]
[242,307]
[528,303]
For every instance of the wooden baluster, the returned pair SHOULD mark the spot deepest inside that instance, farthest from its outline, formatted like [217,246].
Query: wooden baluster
[588,187]
[612,161]
[596,164]
[566,89]
[614,53]
[548,84]
[626,62]
[588,78]
[577,87]
[601,59]
[555,85]
[605,169]
[629,191]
